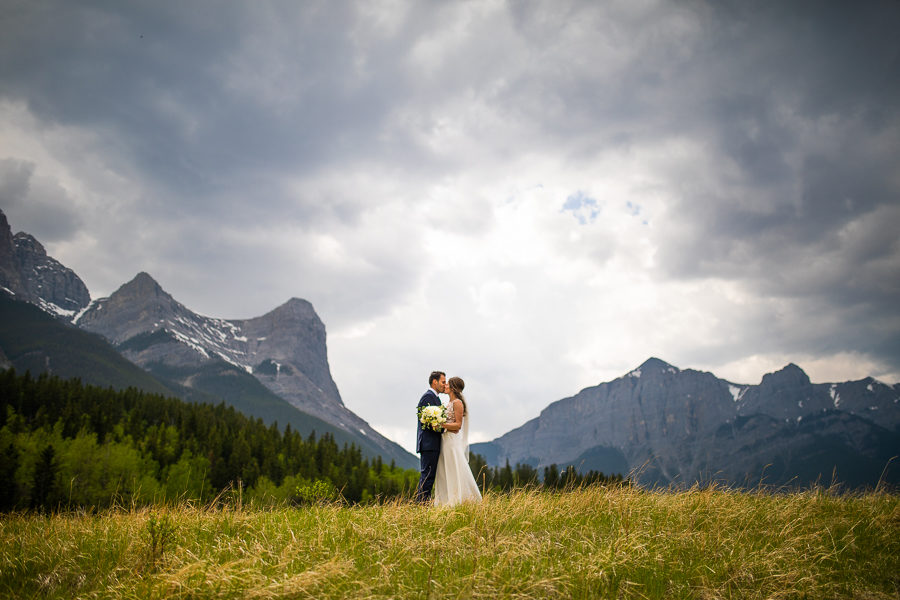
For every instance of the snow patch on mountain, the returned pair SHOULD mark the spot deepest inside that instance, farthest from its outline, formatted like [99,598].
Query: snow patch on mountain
[55,309]
[212,337]
[81,312]
[737,392]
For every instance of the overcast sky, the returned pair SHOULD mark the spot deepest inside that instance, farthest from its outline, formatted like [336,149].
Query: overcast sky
[535,196]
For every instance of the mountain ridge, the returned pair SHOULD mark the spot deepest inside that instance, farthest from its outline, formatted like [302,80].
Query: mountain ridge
[284,350]
[670,425]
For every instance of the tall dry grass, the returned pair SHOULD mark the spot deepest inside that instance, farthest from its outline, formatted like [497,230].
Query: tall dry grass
[617,542]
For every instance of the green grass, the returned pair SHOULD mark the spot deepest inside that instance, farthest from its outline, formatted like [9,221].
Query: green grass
[596,542]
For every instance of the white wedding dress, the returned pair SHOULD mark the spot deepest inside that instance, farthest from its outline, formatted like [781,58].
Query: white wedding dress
[454,482]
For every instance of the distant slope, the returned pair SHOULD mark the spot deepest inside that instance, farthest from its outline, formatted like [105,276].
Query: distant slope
[34,341]
[222,381]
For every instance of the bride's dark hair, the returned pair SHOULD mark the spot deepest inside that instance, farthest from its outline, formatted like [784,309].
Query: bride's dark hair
[457,386]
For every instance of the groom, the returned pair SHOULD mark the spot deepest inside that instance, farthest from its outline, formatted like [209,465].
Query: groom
[428,442]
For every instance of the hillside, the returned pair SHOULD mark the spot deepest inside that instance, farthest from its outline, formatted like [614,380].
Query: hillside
[32,340]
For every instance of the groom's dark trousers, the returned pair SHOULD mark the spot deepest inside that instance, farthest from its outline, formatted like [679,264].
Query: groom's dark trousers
[428,445]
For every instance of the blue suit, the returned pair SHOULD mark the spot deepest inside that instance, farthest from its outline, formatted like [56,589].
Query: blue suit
[428,445]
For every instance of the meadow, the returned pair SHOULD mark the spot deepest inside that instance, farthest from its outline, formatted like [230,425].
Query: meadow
[595,542]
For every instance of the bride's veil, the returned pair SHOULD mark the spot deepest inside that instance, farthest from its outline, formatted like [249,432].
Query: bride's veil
[465,430]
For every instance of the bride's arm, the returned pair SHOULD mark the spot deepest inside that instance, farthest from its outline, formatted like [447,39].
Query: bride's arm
[456,424]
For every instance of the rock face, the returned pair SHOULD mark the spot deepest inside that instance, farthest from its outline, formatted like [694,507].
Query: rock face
[284,349]
[682,426]
[10,277]
[29,274]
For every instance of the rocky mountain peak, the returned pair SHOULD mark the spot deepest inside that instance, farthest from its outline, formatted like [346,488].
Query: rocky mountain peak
[139,306]
[791,376]
[26,243]
[33,276]
[10,278]
[295,325]
[296,307]
[143,286]
[293,334]
[655,364]
[5,229]
[653,367]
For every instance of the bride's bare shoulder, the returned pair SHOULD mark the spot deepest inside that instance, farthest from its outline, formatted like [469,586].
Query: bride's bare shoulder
[459,406]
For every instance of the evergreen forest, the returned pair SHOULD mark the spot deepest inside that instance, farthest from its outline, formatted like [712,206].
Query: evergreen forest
[64,444]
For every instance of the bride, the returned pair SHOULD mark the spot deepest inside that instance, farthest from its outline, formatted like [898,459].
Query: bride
[454,482]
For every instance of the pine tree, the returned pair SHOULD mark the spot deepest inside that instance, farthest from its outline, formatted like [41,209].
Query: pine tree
[551,477]
[9,464]
[43,492]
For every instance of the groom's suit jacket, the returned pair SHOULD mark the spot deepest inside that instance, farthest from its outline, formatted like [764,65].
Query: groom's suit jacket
[428,440]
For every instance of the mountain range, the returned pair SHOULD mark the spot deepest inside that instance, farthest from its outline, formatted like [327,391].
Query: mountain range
[274,367]
[673,426]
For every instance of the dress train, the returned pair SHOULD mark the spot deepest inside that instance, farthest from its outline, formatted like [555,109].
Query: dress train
[454,482]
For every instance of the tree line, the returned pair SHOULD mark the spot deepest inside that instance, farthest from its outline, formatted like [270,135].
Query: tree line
[506,478]
[66,445]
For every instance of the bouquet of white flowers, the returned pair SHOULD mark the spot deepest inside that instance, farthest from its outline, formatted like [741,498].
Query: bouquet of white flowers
[433,417]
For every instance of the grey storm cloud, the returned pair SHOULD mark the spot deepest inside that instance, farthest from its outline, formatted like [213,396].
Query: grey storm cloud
[41,204]
[200,97]
[214,102]
[15,180]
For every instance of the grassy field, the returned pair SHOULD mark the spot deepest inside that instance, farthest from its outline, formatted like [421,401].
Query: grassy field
[615,542]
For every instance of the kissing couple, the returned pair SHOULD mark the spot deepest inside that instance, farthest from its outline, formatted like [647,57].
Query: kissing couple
[443,445]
